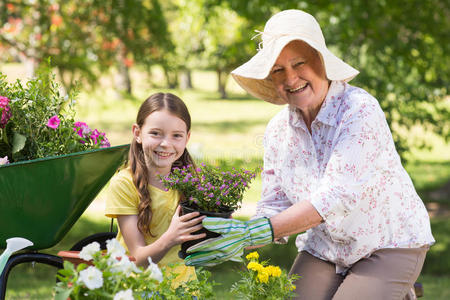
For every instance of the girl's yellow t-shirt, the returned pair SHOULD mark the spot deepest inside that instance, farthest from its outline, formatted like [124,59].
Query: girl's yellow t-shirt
[122,198]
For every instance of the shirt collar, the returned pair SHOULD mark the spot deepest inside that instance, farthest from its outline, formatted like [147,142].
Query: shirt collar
[330,106]
[329,110]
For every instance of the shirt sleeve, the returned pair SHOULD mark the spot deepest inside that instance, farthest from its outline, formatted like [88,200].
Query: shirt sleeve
[361,153]
[273,199]
[121,196]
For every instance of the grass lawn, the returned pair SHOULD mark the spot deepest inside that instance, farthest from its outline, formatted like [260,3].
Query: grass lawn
[229,132]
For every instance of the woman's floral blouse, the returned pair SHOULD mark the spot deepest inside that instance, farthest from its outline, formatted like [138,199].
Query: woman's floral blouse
[349,170]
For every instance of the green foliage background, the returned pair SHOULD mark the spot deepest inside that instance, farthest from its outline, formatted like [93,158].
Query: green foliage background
[401,47]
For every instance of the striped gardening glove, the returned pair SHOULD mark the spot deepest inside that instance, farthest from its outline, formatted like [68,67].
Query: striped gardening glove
[235,236]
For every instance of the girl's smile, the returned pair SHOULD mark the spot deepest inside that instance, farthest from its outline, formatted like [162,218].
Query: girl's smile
[163,137]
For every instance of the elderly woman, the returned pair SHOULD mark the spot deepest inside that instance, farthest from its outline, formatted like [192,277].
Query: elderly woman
[330,169]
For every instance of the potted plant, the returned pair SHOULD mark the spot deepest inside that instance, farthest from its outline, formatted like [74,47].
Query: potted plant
[37,120]
[209,190]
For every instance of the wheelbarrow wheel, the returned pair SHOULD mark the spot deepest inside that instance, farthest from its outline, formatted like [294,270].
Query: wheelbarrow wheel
[100,238]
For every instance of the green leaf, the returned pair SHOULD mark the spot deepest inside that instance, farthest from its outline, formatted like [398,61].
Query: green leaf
[62,293]
[18,142]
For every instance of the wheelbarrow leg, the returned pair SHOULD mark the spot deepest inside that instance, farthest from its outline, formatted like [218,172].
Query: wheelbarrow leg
[19,258]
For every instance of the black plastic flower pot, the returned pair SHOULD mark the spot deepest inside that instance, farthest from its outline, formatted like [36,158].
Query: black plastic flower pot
[186,208]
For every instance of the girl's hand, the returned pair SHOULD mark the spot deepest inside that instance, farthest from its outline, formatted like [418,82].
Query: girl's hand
[181,227]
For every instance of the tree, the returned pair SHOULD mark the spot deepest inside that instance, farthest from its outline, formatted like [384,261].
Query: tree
[132,30]
[85,38]
[186,28]
[226,43]
[400,47]
[32,31]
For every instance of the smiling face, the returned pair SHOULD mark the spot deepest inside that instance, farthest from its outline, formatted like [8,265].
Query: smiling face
[163,137]
[299,77]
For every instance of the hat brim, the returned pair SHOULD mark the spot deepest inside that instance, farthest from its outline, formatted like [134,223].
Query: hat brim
[253,76]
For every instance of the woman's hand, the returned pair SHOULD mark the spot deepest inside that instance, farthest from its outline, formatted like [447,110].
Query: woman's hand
[235,235]
[181,227]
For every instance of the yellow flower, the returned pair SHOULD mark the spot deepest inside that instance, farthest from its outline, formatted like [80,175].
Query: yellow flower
[263,276]
[273,271]
[293,287]
[252,255]
[255,266]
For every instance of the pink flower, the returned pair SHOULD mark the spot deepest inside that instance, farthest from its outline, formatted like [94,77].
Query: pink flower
[4,161]
[94,135]
[4,101]
[82,129]
[104,143]
[79,124]
[53,122]
[5,113]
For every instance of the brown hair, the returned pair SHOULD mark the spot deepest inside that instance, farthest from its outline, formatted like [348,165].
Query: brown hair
[139,170]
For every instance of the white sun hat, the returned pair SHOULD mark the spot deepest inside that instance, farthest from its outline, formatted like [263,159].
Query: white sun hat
[280,29]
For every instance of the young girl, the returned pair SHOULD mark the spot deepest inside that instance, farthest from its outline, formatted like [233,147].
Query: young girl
[147,214]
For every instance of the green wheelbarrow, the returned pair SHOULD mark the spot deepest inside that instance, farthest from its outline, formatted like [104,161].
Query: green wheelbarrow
[41,199]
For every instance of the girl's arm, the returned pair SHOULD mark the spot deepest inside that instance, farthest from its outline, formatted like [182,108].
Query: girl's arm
[179,231]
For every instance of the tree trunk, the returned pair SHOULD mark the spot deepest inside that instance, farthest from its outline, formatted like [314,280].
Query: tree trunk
[186,80]
[221,83]
[123,80]
[171,78]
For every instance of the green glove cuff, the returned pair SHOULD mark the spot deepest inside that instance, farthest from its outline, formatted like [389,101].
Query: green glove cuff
[260,231]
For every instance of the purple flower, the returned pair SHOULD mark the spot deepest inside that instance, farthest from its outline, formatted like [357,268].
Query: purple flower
[94,135]
[5,111]
[218,203]
[104,141]
[82,129]
[53,122]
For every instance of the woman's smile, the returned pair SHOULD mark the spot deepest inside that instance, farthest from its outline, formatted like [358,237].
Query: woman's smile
[299,77]
[299,89]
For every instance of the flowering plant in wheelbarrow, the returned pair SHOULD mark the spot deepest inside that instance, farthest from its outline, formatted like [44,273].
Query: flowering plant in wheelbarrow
[111,275]
[210,190]
[37,120]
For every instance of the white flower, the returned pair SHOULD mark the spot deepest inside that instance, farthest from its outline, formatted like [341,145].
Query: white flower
[89,250]
[124,265]
[91,277]
[155,272]
[115,249]
[4,161]
[124,295]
